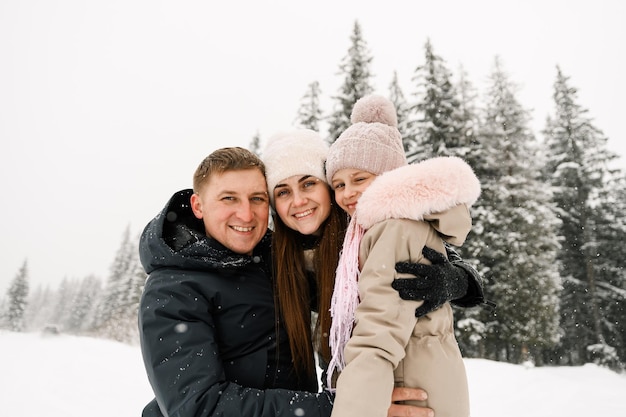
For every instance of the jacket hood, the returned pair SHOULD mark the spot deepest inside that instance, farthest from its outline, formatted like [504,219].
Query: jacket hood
[176,238]
[423,191]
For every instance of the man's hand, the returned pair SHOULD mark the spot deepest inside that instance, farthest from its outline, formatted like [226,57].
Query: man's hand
[404,410]
[435,284]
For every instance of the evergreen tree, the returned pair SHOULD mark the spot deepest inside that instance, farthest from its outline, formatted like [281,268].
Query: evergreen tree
[111,319]
[255,144]
[434,130]
[396,96]
[65,294]
[577,167]
[41,305]
[82,305]
[310,112]
[515,229]
[4,324]
[609,230]
[355,68]
[468,118]
[135,284]
[471,324]
[17,296]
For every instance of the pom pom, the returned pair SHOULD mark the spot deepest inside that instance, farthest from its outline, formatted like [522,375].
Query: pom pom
[374,109]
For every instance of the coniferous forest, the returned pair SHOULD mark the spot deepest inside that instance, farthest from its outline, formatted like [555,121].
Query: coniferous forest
[548,233]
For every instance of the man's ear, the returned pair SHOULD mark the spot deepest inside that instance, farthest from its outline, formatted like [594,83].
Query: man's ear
[196,205]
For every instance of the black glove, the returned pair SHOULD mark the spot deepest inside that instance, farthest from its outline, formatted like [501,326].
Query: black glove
[435,284]
[475,295]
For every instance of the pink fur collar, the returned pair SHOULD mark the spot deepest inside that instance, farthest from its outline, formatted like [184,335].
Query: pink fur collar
[412,191]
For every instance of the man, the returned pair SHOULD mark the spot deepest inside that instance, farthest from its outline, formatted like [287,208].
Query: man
[211,338]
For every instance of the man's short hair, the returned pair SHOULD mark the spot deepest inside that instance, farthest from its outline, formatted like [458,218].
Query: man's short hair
[225,159]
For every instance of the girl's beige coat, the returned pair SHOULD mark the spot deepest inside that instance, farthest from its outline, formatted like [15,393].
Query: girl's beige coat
[403,211]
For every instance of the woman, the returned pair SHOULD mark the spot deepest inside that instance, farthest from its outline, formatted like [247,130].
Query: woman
[308,233]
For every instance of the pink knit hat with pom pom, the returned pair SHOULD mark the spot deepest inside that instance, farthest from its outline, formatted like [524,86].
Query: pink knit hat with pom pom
[372,143]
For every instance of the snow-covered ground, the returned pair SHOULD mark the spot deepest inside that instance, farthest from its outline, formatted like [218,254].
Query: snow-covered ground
[66,376]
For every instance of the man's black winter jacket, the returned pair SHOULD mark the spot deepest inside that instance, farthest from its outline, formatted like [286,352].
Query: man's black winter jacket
[211,340]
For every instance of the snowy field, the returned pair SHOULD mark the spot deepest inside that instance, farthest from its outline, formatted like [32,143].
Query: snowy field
[66,376]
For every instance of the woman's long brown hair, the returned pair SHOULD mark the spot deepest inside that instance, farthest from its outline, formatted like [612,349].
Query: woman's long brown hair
[294,298]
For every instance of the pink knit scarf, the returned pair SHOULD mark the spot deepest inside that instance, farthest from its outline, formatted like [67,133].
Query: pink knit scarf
[345,298]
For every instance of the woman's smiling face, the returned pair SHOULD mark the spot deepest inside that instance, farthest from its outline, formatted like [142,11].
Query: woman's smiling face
[302,203]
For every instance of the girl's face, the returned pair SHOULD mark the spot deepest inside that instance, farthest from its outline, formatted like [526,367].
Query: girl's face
[349,184]
[302,203]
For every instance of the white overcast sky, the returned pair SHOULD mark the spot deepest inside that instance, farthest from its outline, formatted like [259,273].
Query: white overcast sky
[107,106]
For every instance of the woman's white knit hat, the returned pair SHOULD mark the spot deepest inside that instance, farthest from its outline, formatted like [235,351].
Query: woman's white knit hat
[294,152]
[372,143]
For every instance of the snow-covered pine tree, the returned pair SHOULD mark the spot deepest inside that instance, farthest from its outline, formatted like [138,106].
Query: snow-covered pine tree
[577,166]
[41,306]
[396,95]
[111,317]
[82,308]
[255,144]
[515,227]
[17,300]
[63,298]
[434,129]
[310,112]
[467,116]
[609,227]
[136,279]
[470,325]
[355,69]
[3,311]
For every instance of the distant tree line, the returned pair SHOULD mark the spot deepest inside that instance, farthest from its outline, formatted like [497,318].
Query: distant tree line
[85,306]
[548,233]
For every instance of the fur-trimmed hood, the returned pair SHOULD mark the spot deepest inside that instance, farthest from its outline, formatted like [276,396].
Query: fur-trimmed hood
[414,191]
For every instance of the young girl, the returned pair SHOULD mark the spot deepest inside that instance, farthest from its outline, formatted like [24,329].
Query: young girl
[396,211]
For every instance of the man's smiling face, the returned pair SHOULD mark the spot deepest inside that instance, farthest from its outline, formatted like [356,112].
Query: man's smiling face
[234,207]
